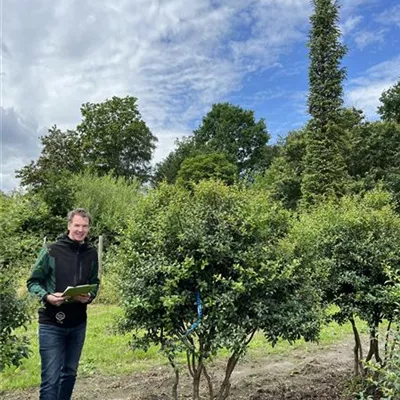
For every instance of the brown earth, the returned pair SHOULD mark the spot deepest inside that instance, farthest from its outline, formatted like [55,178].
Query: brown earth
[320,374]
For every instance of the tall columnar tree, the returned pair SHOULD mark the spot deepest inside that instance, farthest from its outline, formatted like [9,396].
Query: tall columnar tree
[325,167]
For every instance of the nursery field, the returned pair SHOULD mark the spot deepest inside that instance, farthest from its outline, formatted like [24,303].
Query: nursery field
[109,369]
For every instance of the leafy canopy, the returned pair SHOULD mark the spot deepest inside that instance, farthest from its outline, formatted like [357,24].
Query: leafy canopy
[61,153]
[352,245]
[234,131]
[390,108]
[206,166]
[226,129]
[17,253]
[116,139]
[219,241]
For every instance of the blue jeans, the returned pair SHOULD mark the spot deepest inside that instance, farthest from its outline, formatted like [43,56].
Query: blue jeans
[60,350]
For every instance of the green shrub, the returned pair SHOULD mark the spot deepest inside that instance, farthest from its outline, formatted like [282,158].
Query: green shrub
[353,245]
[18,250]
[219,243]
[383,379]
[109,201]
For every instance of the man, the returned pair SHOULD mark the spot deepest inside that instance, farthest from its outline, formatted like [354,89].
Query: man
[70,261]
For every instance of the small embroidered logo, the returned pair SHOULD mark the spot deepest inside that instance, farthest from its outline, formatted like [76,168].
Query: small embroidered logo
[60,316]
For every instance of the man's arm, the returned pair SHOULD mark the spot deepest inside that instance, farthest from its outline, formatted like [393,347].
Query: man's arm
[36,282]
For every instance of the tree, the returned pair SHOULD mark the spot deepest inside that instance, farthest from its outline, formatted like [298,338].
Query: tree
[61,153]
[206,166]
[112,137]
[17,253]
[48,178]
[390,108]
[351,120]
[352,245]
[234,131]
[375,157]
[116,139]
[107,199]
[326,75]
[383,380]
[283,178]
[226,129]
[213,247]
[325,169]
[168,168]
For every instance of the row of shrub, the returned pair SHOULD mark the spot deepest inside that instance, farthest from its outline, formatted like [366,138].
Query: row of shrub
[254,265]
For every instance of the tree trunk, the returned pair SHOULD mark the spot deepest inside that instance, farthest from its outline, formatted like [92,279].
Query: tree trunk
[234,358]
[395,342]
[226,384]
[387,340]
[358,353]
[190,363]
[176,382]
[209,383]
[196,382]
[373,346]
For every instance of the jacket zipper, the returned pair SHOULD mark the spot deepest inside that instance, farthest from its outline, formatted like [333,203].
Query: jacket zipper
[77,264]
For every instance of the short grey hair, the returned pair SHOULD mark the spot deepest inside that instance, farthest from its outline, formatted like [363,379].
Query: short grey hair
[78,211]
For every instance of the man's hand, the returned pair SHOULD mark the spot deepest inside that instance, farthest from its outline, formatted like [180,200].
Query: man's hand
[83,298]
[56,299]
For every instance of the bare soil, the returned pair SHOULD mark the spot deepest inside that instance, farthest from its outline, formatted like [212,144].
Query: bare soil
[321,374]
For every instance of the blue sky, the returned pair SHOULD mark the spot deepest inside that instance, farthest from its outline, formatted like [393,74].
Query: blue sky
[178,57]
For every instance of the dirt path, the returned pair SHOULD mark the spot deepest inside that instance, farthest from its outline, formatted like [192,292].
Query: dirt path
[320,374]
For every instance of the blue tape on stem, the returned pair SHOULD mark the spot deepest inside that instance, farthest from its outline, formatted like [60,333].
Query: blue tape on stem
[199,314]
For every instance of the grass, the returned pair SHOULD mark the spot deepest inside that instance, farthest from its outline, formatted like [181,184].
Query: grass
[330,335]
[108,353]
[103,352]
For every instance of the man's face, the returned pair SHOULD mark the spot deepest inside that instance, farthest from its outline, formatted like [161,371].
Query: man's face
[78,228]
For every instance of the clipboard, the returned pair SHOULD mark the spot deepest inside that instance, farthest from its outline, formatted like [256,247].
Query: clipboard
[72,291]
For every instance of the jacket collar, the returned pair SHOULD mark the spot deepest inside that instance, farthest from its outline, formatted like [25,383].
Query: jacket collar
[65,239]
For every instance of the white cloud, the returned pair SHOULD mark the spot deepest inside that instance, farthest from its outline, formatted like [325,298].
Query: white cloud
[388,70]
[350,24]
[366,38]
[390,16]
[8,181]
[347,6]
[166,143]
[367,97]
[178,57]
[365,91]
